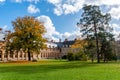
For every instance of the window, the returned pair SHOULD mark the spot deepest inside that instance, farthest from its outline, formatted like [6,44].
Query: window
[49,46]
[66,46]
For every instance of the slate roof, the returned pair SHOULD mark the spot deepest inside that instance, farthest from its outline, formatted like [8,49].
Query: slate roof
[61,44]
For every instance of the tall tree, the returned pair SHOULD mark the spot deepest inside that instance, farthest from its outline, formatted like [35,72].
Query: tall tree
[27,35]
[106,45]
[91,23]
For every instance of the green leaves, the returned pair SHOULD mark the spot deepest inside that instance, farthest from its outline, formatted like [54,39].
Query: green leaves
[28,34]
[95,27]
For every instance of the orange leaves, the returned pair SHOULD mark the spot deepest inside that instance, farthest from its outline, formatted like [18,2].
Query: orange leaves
[37,27]
[79,44]
[28,33]
[29,29]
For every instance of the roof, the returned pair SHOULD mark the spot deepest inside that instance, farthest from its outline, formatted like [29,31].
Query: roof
[61,44]
[51,44]
[68,42]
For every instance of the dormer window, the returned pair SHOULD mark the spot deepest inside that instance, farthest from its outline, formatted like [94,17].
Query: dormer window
[66,46]
[49,46]
[53,47]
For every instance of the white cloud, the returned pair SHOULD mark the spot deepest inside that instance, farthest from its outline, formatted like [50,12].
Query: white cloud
[92,2]
[58,10]
[116,30]
[4,27]
[115,12]
[68,7]
[54,1]
[58,6]
[110,2]
[35,1]
[20,1]
[115,26]
[74,6]
[52,34]
[49,26]
[32,9]
[66,35]
[2,0]
[71,36]
[103,2]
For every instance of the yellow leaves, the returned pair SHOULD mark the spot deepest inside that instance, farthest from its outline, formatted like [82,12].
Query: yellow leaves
[28,24]
[26,30]
[79,44]
[37,27]
[29,29]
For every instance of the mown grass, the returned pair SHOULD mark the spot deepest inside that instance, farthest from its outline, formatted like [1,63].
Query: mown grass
[59,70]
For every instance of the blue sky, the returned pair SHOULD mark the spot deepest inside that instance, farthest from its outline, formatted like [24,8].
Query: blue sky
[59,16]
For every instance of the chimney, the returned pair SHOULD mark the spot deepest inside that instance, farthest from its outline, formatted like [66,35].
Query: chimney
[52,41]
[59,40]
[75,39]
[66,40]
[8,31]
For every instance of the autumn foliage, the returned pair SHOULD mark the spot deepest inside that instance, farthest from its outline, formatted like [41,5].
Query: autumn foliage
[27,35]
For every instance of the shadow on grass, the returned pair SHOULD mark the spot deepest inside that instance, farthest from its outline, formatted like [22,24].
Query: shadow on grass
[31,69]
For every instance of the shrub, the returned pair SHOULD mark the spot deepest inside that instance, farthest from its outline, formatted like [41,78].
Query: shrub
[77,56]
[70,57]
[64,57]
[80,56]
[84,57]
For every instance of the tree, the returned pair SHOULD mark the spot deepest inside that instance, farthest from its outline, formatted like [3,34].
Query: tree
[27,35]
[106,43]
[90,49]
[92,22]
[79,43]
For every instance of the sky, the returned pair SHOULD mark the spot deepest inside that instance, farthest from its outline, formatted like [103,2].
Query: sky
[59,16]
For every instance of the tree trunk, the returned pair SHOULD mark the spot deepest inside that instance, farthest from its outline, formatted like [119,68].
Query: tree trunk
[97,47]
[92,58]
[104,58]
[29,56]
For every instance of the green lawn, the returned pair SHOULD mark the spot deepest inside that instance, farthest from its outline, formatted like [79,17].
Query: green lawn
[59,70]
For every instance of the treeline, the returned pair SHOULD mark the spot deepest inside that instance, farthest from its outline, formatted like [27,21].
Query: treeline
[97,38]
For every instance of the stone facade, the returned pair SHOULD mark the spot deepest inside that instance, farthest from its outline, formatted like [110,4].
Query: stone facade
[55,50]
[49,53]
[65,47]
[65,51]
[2,50]
[44,54]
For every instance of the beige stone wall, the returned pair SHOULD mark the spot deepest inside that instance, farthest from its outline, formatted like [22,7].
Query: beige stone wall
[51,53]
[21,55]
[65,51]
[47,54]
[2,50]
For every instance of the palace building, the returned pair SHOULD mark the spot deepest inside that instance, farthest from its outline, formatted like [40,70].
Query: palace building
[55,50]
